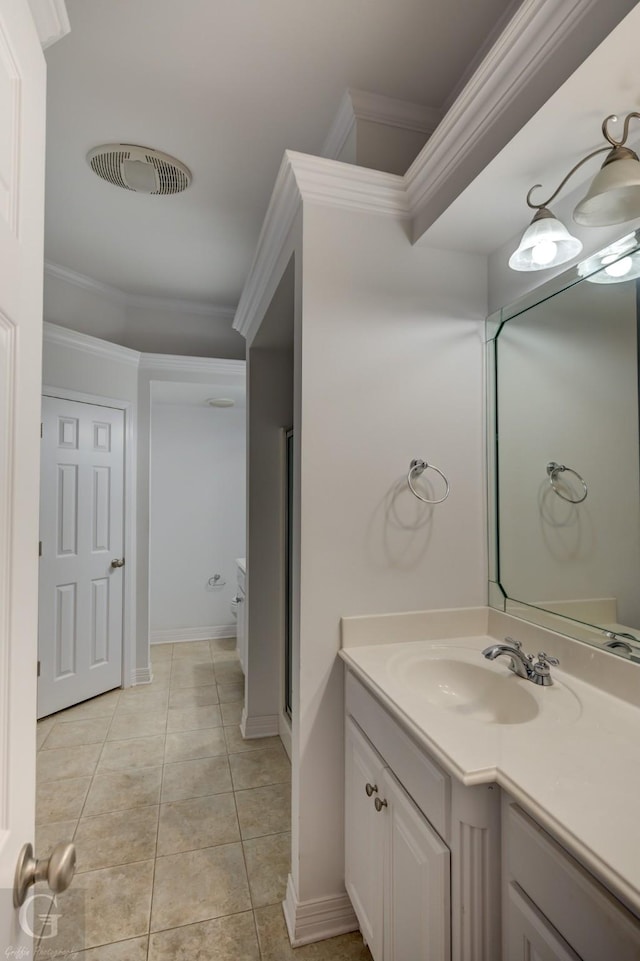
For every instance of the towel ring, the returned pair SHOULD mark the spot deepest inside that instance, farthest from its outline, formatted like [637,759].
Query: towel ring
[418,467]
[553,470]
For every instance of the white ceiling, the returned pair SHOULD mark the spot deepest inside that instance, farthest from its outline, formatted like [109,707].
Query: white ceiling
[226,87]
[196,395]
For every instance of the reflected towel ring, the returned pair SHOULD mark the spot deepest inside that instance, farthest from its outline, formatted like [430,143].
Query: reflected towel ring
[553,470]
[418,467]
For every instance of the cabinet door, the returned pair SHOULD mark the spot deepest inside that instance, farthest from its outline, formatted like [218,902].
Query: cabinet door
[528,934]
[417,910]
[364,836]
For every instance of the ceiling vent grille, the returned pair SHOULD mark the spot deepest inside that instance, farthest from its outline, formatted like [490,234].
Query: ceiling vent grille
[140,169]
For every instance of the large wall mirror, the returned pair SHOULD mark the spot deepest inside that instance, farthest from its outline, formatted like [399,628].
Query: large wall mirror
[564,453]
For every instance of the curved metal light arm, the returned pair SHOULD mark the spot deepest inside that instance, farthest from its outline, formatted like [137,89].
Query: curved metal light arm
[568,177]
[625,131]
[612,118]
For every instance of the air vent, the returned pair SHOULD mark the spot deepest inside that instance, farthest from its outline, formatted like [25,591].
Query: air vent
[140,169]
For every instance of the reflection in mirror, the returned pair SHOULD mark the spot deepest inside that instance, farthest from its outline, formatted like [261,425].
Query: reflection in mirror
[567,458]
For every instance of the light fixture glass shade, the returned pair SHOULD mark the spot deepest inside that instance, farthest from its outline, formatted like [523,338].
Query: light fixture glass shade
[614,194]
[615,264]
[545,243]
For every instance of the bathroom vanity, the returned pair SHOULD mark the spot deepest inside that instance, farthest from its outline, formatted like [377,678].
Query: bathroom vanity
[478,805]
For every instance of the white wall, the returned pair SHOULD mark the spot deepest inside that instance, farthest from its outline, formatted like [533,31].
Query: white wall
[391,369]
[197,517]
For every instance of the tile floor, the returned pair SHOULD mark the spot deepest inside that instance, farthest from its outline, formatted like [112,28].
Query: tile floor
[181,826]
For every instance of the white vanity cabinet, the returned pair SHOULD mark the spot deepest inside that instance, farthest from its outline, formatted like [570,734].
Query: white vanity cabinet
[421,851]
[397,867]
[553,908]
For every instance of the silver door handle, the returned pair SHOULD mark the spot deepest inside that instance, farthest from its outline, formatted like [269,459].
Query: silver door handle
[117,563]
[57,870]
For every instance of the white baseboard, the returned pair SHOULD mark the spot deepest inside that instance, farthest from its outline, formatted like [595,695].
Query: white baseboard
[176,635]
[284,730]
[309,921]
[265,725]
[141,675]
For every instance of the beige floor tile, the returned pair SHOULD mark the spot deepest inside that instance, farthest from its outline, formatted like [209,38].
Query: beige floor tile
[160,671]
[264,810]
[268,861]
[232,712]
[189,673]
[61,800]
[198,886]
[48,835]
[223,939]
[117,838]
[193,718]
[229,691]
[132,754]
[228,670]
[144,697]
[197,823]
[117,902]
[197,778]
[237,744]
[135,950]
[127,789]
[101,706]
[186,745]
[220,645]
[43,729]
[275,946]
[62,762]
[70,733]
[141,724]
[161,652]
[194,696]
[260,767]
[196,650]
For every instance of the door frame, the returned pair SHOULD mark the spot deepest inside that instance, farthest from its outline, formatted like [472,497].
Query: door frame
[129,672]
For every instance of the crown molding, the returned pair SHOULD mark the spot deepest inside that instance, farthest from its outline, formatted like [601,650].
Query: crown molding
[193,365]
[303,178]
[141,301]
[362,105]
[536,32]
[281,214]
[51,20]
[64,337]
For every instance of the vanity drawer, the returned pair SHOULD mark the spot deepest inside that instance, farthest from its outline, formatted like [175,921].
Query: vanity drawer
[589,917]
[424,781]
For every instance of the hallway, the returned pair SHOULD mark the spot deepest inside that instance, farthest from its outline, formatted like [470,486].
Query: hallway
[181,827]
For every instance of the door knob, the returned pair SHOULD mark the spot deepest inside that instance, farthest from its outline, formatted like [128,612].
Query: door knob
[57,870]
[117,563]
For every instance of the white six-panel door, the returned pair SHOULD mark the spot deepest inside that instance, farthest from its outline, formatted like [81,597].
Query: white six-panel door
[81,529]
[22,148]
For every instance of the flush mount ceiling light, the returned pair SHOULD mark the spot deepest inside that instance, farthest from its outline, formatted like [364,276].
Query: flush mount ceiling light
[141,169]
[613,265]
[220,402]
[612,198]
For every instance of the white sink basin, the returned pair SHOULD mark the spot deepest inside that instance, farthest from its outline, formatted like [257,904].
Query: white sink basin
[460,680]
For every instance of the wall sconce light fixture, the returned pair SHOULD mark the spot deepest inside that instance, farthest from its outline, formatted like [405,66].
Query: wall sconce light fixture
[612,198]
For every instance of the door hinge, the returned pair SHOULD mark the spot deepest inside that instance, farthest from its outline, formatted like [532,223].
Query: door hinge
[41,429]
[39,548]
[38,668]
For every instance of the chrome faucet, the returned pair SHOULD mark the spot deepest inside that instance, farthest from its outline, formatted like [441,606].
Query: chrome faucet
[522,664]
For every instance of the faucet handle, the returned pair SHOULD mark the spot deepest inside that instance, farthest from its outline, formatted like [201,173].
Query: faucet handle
[513,642]
[547,659]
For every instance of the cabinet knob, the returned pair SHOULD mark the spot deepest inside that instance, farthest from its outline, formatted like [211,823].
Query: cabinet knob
[370,789]
[380,804]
